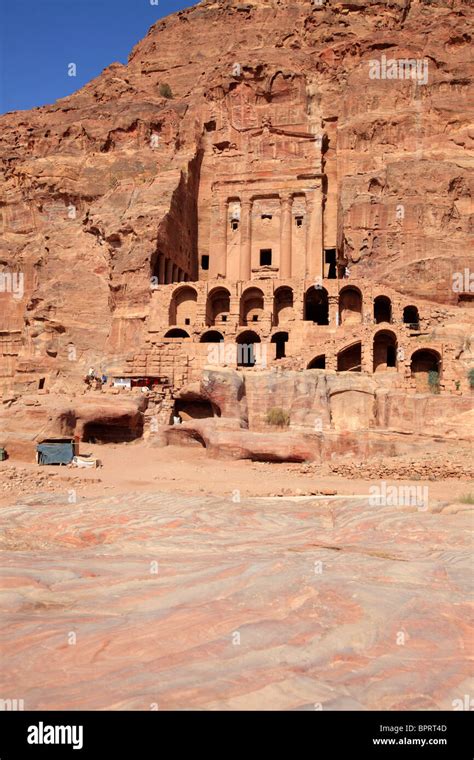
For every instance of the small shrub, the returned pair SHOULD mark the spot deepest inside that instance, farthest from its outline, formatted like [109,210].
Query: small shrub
[467,498]
[165,91]
[278,417]
[470,376]
[433,381]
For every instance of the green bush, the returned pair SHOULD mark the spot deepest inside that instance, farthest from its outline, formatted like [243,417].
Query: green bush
[165,91]
[470,376]
[467,498]
[278,417]
[433,380]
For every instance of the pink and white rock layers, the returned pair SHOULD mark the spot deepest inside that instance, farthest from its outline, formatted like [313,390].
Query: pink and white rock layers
[202,603]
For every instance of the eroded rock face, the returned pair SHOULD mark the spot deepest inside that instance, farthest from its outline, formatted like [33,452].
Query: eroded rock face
[226,389]
[317,401]
[96,185]
[327,416]
[222,443]
[95,418]
[232,414]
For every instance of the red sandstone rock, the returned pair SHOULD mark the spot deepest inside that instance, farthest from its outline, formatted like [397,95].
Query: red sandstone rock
[84,417]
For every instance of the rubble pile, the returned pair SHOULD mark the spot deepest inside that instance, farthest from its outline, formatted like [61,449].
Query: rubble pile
[405,469]
[20,481]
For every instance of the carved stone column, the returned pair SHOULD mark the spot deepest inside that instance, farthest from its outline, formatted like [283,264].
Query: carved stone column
[218,239]
[285,237]
[246,239]
[333,311]
[314,235]
[161,269]
[169,272]
[309,220]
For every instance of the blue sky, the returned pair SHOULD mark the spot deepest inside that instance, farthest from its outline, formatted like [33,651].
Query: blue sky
[39,38]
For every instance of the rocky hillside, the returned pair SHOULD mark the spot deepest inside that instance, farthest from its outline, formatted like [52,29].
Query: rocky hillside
[92,186]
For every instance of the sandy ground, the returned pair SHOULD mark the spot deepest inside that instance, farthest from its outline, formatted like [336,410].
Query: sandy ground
[188,470]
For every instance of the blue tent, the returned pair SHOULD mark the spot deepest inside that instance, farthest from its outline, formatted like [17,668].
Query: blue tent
[55,451]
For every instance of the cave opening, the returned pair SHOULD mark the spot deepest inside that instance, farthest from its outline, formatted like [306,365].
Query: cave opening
[195,409]
[108,431]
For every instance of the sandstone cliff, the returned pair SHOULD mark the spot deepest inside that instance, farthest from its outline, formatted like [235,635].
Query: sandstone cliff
[94,185]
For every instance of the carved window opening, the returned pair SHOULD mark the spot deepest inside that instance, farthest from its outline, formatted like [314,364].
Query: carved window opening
[384,350]
[283,305]
[350,306]
[265,257]
[330,261]
[176,333]
[234,224]
[382,309]
[251,305]
[217,306]
[211,336]
[299,221]
[425,369]
[246,355]
[425,360]
[183,306]
[280,339]
[350,359]
[411,317]
[319,362]
[316,306]
[205,262]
